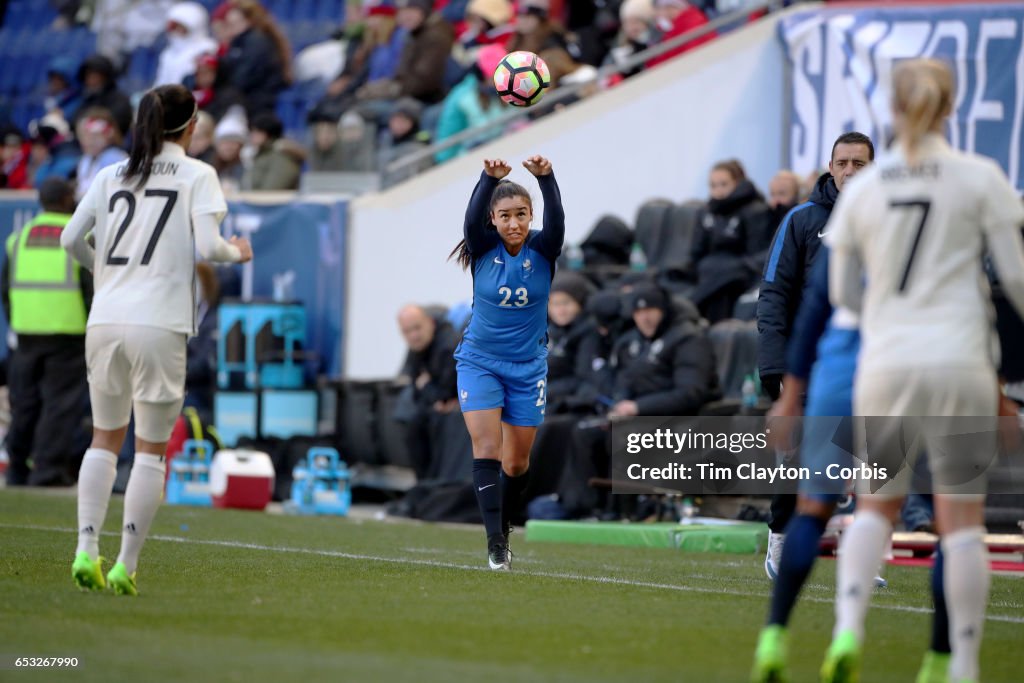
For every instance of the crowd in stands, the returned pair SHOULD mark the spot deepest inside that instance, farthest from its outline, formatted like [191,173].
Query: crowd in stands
[388,76]
[673,334]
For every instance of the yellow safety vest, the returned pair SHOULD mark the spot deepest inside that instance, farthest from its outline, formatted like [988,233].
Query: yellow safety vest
[44,281]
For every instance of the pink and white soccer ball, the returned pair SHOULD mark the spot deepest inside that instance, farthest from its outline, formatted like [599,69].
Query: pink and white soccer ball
[521,78]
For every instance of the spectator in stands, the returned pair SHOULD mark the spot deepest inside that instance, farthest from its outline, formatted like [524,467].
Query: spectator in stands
[372,56]
[68,12]
[471,103]
[259,59]
[432,395]
[567,327]
[15,153]
[608,244]
[403,136]
[62,91]
[537,33]
[188,37]
[99,89]
[213,92]
[421,67]
[592,26]
[597,374]
[637,34]
[228,140]
[730,240]
[201,145]
[100,140]
[783,194]
[665,366]
[674,18]
[201,353]
[122,26]
[278,161]
[220,29]
[54,153]
[46,375]
[347,145]
[488,22]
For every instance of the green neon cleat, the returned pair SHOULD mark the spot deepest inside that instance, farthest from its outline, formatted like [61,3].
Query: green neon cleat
[122,582]
[771,655]
[934,668]
[842,661]
[88,574]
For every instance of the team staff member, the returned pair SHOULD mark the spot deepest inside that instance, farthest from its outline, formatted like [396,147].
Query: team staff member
[502,360]
[149,215]
[793,250]
[46,297]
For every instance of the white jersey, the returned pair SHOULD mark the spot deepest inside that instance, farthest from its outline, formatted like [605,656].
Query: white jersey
[145,254]
[919,233]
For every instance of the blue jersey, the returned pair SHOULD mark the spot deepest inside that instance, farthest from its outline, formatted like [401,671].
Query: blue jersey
[510,293]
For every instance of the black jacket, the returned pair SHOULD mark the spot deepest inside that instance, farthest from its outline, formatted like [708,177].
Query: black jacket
[566,367]
[673,373]
[201,363]
[608,243]
[437,361]
[730,240]
[785,274]
[255,69]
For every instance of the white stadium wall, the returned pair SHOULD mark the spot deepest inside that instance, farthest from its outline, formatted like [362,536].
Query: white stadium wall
[655,135]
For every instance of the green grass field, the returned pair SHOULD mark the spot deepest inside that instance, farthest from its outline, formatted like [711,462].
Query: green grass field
[241,596]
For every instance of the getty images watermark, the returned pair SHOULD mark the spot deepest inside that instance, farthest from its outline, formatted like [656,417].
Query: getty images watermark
[746,455]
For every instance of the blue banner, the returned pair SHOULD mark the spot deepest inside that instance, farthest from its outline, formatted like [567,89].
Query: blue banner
[305,239]
[841,64]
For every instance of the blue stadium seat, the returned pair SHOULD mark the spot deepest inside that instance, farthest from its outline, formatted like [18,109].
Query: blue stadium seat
[304,10]
[331,12]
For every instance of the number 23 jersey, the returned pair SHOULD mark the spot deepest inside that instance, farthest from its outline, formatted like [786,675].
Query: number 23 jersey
[510,303]
[144,270]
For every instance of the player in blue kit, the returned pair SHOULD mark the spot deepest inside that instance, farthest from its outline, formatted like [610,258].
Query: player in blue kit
[823,349]
[502,360]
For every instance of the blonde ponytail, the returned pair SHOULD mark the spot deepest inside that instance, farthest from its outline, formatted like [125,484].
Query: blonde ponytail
[922,98]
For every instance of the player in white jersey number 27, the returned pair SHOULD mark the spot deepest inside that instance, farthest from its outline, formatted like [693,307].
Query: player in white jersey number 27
[149,215]
[914,228]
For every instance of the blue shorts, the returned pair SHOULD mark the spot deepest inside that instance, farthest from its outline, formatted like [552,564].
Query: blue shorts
[828,431]
[519,388]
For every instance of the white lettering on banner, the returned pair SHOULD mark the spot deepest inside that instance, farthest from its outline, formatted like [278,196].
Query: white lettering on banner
[842,64]
[982,109]
[957,32]
[806,130]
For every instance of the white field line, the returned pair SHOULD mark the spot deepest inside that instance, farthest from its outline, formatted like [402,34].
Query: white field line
[566,576]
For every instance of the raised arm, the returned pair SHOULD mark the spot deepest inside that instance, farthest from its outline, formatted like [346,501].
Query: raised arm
[550,240]
[478,214]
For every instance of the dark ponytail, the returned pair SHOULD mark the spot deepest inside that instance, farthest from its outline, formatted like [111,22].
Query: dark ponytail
[506,189]
[164,114]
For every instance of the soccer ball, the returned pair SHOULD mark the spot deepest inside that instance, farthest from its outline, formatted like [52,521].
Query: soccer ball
[520,78]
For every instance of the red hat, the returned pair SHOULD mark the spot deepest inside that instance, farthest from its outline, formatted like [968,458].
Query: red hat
[208,60]
[380,7]
[221,11]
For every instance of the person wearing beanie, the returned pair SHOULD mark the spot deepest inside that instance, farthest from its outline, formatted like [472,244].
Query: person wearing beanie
[567,327]
[471,103]
[637,34]
[98,78]
[278,161]
[188,37]
[229,137]
[487,22]
[537,33]
[403,137]
[664,366]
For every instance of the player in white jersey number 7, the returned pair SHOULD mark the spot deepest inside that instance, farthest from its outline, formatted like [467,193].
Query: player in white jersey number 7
[913,228]
[149,215]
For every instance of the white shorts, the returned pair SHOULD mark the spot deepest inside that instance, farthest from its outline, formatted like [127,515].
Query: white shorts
[136,365]
[950,413]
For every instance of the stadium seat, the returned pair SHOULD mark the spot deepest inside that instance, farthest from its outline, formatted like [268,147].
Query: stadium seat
[735,346]
[677,239]
[650,222]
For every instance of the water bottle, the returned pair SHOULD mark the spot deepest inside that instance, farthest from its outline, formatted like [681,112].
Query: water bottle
[689,511]
[574,256]
[637,258]
[749,393]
